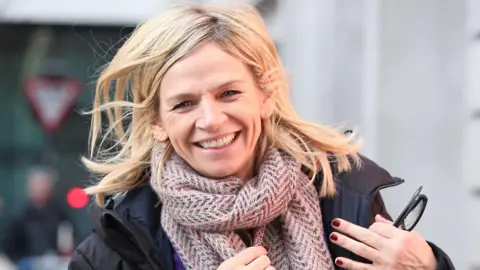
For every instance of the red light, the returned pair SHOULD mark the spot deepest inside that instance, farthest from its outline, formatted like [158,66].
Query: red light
[77,198]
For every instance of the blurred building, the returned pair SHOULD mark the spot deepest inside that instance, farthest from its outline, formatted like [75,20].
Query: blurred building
[401,72]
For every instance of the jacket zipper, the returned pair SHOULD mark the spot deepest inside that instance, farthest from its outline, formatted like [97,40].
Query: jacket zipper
[140,239]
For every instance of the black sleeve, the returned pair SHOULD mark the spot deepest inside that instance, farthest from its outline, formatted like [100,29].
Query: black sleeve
[443,261]
[79,261]
[94,254]
[14,241]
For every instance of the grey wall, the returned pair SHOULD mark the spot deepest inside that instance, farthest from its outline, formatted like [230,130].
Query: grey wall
[421,114]
[395,70]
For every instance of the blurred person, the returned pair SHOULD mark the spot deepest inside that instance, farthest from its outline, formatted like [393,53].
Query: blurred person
[217,171]
[34,231]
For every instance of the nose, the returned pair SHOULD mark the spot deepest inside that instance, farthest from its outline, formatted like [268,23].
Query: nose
[211,116]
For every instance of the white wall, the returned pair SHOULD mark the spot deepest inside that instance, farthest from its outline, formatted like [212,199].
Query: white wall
[109,12]
[408,98]
[471,168]
[421,120]
[97,12]
[307,47]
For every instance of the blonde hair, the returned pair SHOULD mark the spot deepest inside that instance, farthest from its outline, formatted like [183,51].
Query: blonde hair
[127,89]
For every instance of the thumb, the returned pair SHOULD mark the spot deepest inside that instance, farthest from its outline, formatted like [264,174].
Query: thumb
[380,218]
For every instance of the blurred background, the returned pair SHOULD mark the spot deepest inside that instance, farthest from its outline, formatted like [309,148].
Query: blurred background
[403,73]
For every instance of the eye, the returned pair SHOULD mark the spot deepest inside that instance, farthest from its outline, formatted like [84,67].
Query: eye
[230,93]
[182,105]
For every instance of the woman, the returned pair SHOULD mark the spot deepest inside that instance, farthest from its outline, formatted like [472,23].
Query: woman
[215,170]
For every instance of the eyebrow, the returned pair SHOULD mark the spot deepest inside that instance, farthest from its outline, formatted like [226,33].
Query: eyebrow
[186,94]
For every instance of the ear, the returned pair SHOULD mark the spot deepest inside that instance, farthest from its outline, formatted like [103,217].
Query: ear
[159,133]
[267,105]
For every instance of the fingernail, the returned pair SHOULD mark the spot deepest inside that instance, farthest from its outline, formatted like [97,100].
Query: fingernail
[333,237]
[335,223]
[265,247]
[339,262]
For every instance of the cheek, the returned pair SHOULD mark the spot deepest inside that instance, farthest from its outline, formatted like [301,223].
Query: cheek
[252,120]
[248,106]
[169,122]
[178,127]
[170,119]
[246,115]
[251,115]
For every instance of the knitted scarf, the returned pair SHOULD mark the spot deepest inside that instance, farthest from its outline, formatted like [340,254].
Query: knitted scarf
[201,216]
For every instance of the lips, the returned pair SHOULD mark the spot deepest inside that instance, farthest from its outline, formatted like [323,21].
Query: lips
[218,143]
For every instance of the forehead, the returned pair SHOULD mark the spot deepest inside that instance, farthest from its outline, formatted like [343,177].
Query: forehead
[207,67]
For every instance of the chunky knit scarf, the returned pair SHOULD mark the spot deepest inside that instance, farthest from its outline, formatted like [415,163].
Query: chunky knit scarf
[201,216]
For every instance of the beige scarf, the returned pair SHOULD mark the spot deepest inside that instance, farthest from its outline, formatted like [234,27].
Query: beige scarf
[201,215]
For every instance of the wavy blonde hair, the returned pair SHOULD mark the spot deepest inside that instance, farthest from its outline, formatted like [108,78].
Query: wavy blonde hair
[127,93]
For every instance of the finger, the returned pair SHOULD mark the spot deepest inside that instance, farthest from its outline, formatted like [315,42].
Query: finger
[249,255]
[356,247]
[363,235]
[261,262]
[270,268]
[384,229]
[352,265]
[380,218]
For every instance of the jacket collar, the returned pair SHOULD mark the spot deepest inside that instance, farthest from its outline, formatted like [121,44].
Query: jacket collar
[142,205]
[136,216]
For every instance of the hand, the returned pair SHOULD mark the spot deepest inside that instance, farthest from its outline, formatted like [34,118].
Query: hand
[386,246]
[252,258]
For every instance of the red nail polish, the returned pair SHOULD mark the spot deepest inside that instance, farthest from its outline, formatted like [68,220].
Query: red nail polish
[339,262]
[265,247]
[335,223]
[333,237]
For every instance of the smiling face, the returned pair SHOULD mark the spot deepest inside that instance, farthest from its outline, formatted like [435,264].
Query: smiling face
[211,110]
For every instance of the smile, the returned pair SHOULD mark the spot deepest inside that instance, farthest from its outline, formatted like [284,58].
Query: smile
[219,143]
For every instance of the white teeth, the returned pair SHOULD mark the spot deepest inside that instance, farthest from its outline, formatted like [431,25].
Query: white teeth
[218,143]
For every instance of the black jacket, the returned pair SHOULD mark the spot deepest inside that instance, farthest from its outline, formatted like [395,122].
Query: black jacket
[127,232]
